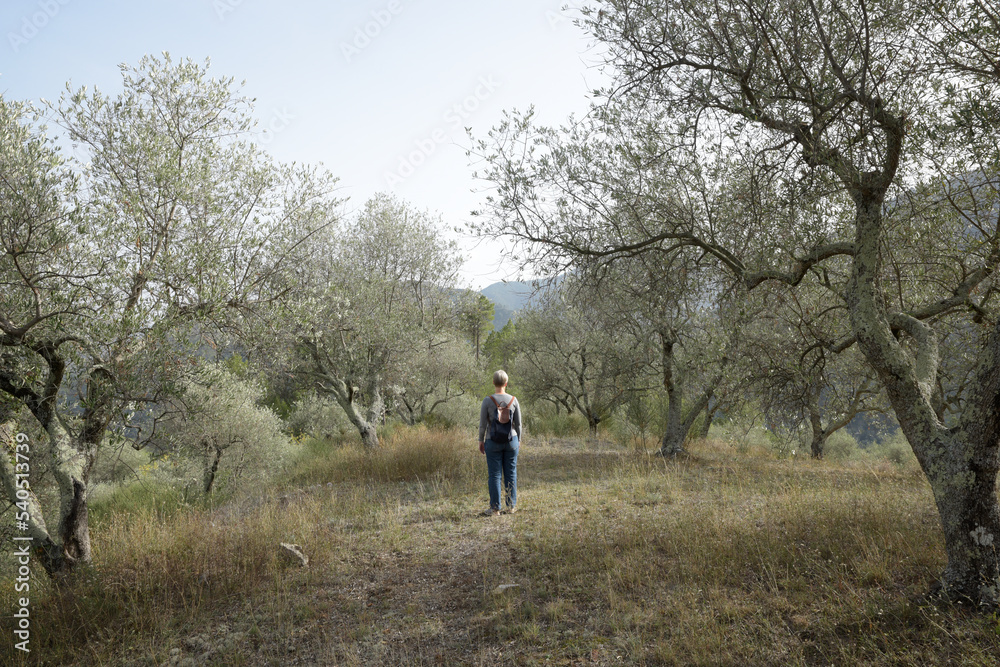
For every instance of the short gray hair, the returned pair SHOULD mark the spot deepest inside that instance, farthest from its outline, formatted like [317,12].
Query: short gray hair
[500,379]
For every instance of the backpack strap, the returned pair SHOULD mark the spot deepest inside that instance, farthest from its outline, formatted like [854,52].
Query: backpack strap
[506,405]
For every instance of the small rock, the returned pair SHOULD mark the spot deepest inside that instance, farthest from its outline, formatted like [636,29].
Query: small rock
[503,588]
[195,643]
[293,553]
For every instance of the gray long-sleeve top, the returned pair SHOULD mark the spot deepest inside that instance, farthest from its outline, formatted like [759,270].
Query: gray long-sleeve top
[488,412]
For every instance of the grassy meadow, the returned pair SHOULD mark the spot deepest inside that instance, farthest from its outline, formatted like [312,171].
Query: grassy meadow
[730,556]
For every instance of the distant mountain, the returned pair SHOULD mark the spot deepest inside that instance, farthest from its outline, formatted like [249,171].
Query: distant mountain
[501,316]
[511,296]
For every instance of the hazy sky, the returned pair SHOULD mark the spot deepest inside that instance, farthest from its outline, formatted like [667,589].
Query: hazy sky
[379,91]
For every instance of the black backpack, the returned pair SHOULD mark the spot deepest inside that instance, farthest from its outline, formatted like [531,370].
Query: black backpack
[502,424]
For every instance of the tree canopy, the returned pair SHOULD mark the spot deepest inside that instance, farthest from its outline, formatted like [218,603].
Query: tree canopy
[828,139]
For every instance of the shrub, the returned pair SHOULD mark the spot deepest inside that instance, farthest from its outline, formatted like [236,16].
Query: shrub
[408,453]
[220,426]
[748,435]
[896,449]
[840,446]
[319,417]
[461,411]
[631,426]
[118,462]
[544,421]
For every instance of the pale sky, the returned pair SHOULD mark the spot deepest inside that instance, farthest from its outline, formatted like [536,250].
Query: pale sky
[379,91]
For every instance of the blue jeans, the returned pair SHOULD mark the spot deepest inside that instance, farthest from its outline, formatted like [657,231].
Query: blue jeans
[501,457]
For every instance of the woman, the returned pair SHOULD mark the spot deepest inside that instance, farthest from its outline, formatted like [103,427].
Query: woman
[499,441]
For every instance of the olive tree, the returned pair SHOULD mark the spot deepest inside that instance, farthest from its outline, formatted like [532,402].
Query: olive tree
[173,224]
[441,371]
[568,354]
[794,377]
[371,299]
[679,320]
[39,225]
[752,103]
[216,415]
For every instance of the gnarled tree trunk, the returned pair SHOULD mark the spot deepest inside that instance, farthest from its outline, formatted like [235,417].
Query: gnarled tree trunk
[961,463]
[820,433]
[71,458]
[706,424]
[28,511]
[345,395]
[70,546]
[679,421]
[212,469]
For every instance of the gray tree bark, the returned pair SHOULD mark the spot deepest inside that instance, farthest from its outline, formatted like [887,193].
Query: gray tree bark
[52,557]
[345,396]
[706,424]
[71,458]
[960,463]
[679,421]
[211,470]
[70,546]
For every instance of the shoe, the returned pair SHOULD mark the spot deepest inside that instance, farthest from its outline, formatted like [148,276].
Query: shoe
[512,509]
[491,512]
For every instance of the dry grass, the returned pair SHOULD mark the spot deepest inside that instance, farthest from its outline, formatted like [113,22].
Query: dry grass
[621,558]
[415,454]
